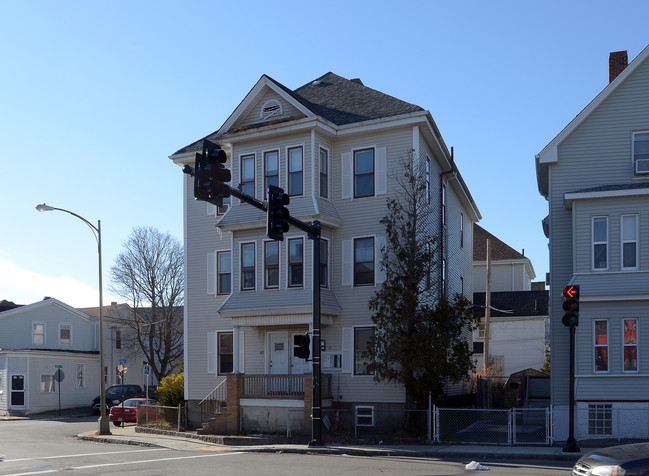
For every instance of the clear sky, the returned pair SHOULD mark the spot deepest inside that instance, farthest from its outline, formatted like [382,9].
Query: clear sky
[95,96]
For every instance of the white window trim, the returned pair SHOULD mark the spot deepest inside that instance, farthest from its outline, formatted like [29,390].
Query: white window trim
[44,332]
[608,346]
[353,351]
[623,242]
[211,352]
[83,376]
[593,243]
[52,383]
[254,171]
[263,166]
[288,264]
[61,324]
[241,288]
[279,266]
[218,254]
[326,149]
[637,345]
[358,416]
[634,165]
[288,169]
[348,261]
[326,240]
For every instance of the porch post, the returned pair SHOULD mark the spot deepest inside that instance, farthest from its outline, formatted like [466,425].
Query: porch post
[235,349]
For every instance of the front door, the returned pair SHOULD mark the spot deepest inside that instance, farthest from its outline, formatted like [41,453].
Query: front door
[17,401]
[278,352]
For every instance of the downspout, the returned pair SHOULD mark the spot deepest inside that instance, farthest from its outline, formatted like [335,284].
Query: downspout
[442,219]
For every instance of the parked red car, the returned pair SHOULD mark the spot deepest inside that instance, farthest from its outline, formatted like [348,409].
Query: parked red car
[131,411]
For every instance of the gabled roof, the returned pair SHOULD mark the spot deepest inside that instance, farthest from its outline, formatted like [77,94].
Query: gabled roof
[44,303]
[499,249]
[549,154]
[114,311]
[336,99]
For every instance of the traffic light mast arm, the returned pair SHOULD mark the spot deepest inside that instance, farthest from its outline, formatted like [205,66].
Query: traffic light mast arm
[235,192]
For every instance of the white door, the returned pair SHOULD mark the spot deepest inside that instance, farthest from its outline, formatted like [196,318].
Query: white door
[299,366]
[278,352]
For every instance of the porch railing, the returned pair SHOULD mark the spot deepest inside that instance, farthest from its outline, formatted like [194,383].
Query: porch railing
[280,386]
[214,400]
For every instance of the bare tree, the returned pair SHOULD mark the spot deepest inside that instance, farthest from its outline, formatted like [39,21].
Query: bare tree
[149,273]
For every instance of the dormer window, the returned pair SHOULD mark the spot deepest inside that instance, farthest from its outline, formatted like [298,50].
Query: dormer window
[641,152]
[272,107]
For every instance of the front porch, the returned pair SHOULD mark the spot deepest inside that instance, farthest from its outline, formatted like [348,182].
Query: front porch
[240,397]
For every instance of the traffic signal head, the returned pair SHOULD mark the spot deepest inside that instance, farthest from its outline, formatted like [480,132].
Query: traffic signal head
[210,175]
[571,306]
[276,223]
[301,346]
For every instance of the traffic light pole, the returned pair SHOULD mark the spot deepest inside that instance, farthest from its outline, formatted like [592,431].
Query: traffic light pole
[313,232]
[571,443]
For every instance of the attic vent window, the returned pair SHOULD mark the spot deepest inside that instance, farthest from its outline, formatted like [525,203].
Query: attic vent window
[272,107]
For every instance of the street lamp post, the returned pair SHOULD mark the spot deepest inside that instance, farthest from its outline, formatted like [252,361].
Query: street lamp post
[104,424]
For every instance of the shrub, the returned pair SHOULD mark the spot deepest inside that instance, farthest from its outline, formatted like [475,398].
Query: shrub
[171,391]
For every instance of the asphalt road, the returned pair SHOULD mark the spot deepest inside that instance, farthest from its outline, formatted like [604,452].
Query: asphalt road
[31,447]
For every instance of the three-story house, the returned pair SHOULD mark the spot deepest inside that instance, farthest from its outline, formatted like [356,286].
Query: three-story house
[335,146]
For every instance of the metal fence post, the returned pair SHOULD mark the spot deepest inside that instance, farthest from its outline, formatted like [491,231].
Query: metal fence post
[430,400]
[179,417]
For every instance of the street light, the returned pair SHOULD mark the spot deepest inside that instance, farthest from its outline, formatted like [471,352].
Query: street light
[104,424]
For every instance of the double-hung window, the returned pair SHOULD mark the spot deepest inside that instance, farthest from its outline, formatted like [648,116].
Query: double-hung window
[641,152]
[225,352]
[364,261]
[630,344]
[65,334]
[247,266]
[271,264]
[362,336]
[271,170]
[324,173]
[600,243]
[81,375]
[629,241]
[38,333]
[295,168]
[295,262]
[224,272]
[363,173]
[601,345]
[248,174]
[47,384]
[324,263]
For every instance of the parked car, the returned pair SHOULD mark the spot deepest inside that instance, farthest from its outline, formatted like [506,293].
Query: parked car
[115,394]
[132,411]
[622,460]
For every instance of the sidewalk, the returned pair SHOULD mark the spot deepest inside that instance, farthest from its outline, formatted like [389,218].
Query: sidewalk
[131,435]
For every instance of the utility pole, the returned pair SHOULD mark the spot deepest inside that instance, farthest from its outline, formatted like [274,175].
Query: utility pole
[487,308]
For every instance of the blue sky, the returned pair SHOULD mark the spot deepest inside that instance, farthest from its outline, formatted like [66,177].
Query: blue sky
[94,97]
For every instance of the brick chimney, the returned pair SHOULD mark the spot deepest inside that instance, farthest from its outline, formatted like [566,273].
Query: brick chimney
[617,61]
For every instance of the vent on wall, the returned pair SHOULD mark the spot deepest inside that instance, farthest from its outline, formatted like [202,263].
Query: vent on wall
[272,107]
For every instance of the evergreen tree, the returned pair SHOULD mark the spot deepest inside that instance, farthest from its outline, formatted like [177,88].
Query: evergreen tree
[419,339]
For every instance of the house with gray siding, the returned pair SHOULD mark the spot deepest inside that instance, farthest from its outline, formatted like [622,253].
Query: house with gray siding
[34,340]
[334,145]
[595,177]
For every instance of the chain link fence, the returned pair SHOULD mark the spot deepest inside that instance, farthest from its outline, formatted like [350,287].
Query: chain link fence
[162,418]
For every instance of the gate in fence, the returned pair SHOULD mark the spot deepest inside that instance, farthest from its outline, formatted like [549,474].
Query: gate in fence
[517,426]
